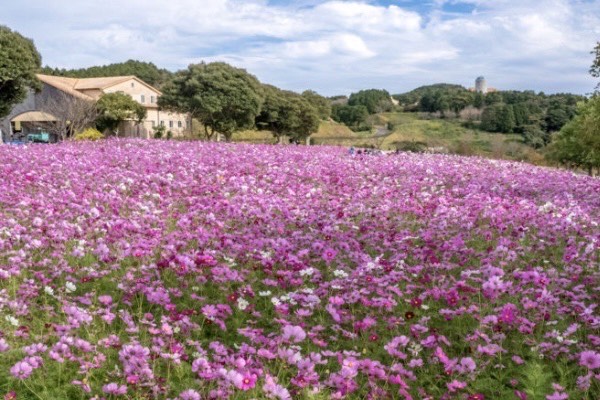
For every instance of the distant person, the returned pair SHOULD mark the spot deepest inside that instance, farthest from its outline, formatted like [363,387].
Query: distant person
[351,151]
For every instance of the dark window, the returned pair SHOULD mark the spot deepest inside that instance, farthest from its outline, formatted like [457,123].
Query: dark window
[179,124]
[143,99]
[170,124]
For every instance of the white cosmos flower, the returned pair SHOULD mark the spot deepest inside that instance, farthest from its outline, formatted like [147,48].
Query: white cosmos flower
[70,287]
[49,290]
[242,303]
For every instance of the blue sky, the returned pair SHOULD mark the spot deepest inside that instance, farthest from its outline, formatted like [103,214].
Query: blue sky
[333,47]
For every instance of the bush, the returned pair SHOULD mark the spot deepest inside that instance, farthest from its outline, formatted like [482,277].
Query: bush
[159,131]
[89,134]
[411,146]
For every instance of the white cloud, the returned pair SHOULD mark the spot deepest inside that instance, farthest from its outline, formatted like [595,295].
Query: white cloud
[331,46]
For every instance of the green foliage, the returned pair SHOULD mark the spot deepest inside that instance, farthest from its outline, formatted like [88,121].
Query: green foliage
[410,99]
[577,145]
[159,131]
[595,68]
[498,118]
[354,117]
[322,104]
[89,134]
[374,100]
[411,146]
[113,108]
[223,98]
[536,381]
[146,71]
[287,113]
[19,61]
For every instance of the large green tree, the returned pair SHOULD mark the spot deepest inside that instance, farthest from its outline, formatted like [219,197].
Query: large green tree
[374,100]
[577,145]
[114,108]
[322,104]
[223,98]
[287,113]
[355,117]
[19,61]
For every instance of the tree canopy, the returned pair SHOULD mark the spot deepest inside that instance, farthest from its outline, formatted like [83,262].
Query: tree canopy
[146,71]
[19,61]
[113,108]
[375,100]
[578,143]
[287,113]
[223,98]
[320,103]
[595,68]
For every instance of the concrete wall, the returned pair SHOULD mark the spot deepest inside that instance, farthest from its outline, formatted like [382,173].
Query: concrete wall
[29,104]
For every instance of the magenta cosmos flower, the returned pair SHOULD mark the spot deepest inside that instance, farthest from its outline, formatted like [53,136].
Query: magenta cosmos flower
[21,370]
[589,359]
[329,254]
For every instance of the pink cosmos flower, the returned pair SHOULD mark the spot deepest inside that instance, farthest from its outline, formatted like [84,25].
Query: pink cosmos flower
[114,389]
[248,382]
[456,385]
[293,333]
[589,359]
[21,370]
[189,395]
[557,396]
[329,254]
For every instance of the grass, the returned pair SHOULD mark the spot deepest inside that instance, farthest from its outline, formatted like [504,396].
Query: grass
[446,135]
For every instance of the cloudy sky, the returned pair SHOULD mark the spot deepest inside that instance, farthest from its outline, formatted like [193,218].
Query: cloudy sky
[334,47]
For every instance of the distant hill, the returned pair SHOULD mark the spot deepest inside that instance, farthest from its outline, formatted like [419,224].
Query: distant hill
[146,71]
[415,95]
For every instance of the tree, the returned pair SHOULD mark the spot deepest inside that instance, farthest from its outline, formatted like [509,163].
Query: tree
[223,98]
[322,104]
[19,61]
[114,108]
[595,68]
[73,114]
[354,117]
[373,99]
[287,113]
[498,118]
[577,145]
[148,72]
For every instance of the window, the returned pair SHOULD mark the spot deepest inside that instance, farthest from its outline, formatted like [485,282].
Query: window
[143,98]
[179,124]
[162,123]
[170,124]
[151,99]
[132,84]
[153,124]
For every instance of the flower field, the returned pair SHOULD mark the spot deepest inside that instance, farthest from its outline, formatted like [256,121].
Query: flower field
[188,271]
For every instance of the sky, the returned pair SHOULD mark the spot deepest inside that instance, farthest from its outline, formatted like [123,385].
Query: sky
[333,47]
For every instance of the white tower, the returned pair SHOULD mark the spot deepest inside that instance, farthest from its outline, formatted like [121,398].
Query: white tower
[481,85]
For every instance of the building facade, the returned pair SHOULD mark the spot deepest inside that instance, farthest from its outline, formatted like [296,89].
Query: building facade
[50,105]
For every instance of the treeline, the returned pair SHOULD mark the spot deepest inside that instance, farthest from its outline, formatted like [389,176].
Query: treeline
[534,115]
[222,98]
[146,71]
[355,110]
[225,99]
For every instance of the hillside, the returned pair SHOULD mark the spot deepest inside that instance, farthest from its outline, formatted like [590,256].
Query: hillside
[444,135]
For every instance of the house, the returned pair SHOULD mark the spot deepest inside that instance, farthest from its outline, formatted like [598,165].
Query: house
[61,101]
